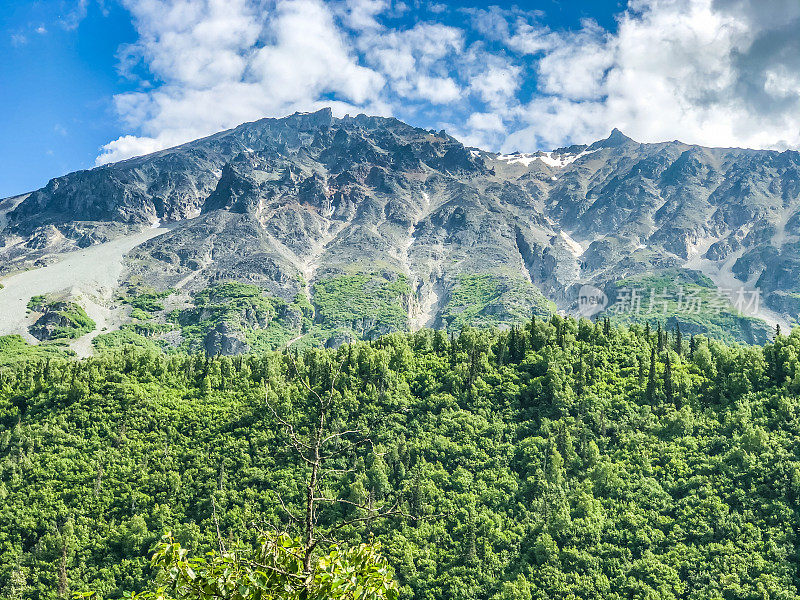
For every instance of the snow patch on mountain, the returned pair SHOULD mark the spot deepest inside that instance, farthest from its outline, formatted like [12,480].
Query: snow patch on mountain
[551,159]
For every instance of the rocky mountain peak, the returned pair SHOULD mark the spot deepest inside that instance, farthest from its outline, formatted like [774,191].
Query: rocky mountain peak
[378,225]
[615,138]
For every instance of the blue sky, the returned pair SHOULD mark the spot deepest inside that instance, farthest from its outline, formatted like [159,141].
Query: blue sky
[86,82]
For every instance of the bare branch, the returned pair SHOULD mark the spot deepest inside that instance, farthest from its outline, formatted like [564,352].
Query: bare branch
[216,524]
[338,435]
[380,515]
[310,451]
[288,426]
[290,514]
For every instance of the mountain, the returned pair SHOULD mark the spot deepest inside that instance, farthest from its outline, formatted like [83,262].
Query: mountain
[325,229]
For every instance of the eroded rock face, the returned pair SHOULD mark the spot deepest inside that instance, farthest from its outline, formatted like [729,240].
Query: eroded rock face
[225,340]
[46,325]
[60,319]
[288,203]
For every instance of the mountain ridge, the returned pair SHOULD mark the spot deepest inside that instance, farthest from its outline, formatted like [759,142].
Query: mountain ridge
[309,202]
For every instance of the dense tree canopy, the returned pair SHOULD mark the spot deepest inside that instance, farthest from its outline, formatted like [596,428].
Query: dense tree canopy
[561,459]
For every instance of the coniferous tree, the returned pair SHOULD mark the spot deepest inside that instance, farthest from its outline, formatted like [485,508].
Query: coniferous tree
[470,545]
[640,360]
[596,332]
[439,341]
[201,434]
[581,372]
[519,345]
[508,357]
[678,339]
[669,386]
[559,331]
[650,394]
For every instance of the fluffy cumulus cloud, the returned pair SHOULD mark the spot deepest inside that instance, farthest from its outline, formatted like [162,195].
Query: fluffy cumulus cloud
[703,71]
[712,72]
[212,64]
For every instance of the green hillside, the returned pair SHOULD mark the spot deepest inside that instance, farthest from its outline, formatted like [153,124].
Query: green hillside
[562,459]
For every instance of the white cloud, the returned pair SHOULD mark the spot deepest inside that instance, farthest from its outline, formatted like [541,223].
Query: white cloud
[130,145]
[486,122]
[672,71]
[416,61]
[496,84]
[308,57]
[222,62]
[714,72]
[75,14]
[361,14]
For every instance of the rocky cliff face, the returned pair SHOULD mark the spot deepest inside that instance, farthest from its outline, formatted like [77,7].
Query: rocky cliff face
[371,219]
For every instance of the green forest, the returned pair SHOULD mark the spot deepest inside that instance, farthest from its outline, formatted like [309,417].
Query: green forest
[560,459]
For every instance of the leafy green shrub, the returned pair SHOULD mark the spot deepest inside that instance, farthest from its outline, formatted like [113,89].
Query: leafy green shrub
[562,459]
[123,338]
[491,300]
[362,302]
[60,319]
[14,349]
[272,570]
[148,300]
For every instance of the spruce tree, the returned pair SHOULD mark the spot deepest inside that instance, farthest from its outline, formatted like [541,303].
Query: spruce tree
[640,360]
[536,341]
[669,387]
[513,344]
[651,378]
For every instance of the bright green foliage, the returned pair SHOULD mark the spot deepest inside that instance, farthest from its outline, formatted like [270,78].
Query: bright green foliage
[79,322]
[490,300]
[138,313]
[267,320]
[270,571]
[14,349]
[37,302]
[231,291]
[122,338]
[717,317]
[369,304]
[543,462]
[146,300]
[74,320]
